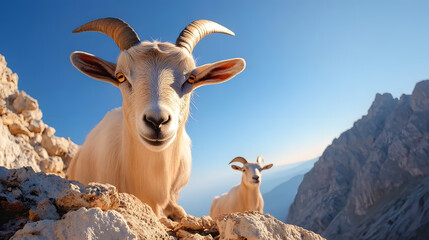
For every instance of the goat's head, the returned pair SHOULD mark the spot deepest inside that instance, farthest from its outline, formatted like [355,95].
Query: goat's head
[251,170]
[156,79]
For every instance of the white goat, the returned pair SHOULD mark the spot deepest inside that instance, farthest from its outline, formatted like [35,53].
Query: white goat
[245,196]
[143,148]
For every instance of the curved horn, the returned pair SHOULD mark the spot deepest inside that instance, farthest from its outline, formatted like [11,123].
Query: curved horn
[195,31]
[260,160]
[123,35]
[239,159]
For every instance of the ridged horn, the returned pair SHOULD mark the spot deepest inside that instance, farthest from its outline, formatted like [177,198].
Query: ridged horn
[239,159]
[195,31]
[123,35]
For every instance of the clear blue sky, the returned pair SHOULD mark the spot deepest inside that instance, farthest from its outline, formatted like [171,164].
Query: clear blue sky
[313,68]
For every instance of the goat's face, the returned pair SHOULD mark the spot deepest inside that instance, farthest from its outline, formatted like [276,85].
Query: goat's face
[155,93]
[155,86]
[252,171]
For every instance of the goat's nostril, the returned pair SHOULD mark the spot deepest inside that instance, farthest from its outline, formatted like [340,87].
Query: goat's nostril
[255,177]
[167,121]
[151,122]
[155,123]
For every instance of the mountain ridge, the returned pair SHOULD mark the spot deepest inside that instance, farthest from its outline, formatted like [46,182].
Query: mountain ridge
[381,154]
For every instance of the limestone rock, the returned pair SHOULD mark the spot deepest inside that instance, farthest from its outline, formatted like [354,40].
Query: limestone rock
[52,165]
[362,171]
[56,146]
[3,107]
[13,154]
[184,235]
[99,195]
[191,222]
[20,142]
[24,102]
[30,115]
[140,218]
[44,210]
[10,118]
[169,224]
[49,131]
[16,128]
[253,225]
[80,224]
[8,80]
[41,151]
[208,222]
[36,126]
[36,140]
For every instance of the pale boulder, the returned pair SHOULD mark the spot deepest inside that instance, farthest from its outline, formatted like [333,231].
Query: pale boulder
[36,126]
[140,218]
[17,128]
[24,102]
[255,226]
[81,224]
[52,164]
[103,196]
[49,131]
[56,146]
[32,115]
[10,118]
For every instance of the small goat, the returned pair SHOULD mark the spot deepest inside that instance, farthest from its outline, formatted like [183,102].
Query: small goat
[245,196]
[142,148]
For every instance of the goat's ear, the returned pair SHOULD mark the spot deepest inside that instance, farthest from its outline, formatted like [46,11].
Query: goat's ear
[94,67]
[267,167]
[218,72]
[235,167]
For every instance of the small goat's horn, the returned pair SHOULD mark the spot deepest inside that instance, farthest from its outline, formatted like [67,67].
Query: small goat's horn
[195,31]
[239,159]
[260,160]
[123,35]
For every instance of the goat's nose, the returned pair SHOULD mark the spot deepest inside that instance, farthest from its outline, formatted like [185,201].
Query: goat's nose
[156,122]
[255,177]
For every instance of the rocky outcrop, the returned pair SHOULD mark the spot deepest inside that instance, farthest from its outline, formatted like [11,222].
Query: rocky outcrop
[37,205]
[371,179]
[254,226]
[43,206]
[25,140]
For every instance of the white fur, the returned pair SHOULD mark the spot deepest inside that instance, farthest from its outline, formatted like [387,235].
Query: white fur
[243,197]
[117,151]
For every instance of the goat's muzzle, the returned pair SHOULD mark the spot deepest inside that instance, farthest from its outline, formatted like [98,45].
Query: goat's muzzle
[158,127]
[256,179]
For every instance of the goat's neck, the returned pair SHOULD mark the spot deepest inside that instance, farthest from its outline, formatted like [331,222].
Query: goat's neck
[140,159]
[250,194]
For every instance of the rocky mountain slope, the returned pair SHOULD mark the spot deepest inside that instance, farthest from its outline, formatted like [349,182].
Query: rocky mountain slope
[372,182]
[38,203]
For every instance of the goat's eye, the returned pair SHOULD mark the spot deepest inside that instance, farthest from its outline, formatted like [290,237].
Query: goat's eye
[191,78]
[121,77]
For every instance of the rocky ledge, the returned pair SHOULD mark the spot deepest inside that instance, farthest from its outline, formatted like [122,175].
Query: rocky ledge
[36,205]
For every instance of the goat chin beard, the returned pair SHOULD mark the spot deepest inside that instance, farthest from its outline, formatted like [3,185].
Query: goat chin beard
[157,145]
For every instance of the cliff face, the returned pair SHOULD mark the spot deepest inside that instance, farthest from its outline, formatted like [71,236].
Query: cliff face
[371,179]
